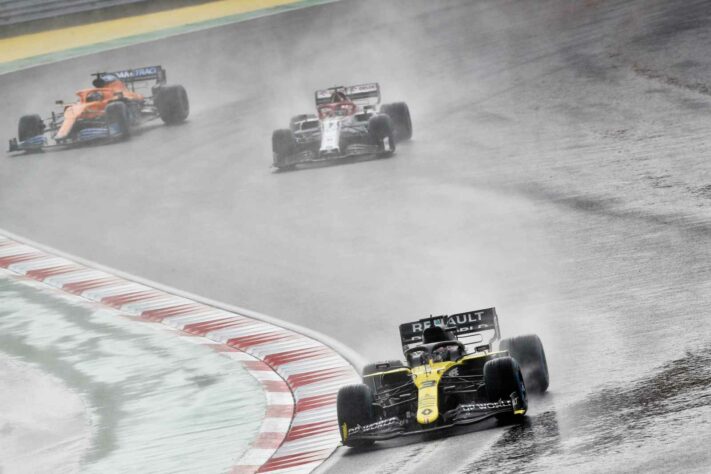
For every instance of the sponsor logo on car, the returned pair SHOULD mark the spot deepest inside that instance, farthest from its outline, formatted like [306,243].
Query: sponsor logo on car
[469,407]
[140,72]
[449,321]
[393,422]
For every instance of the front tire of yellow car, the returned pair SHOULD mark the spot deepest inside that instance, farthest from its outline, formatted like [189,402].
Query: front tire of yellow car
[354,407]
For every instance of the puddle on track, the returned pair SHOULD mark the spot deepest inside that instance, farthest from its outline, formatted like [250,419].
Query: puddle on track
[656,423]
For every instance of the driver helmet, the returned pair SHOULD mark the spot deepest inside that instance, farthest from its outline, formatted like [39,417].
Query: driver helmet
[338,96]
[94,96]
[440,354]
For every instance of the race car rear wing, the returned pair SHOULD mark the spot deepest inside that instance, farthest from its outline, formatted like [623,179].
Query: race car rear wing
[477,330]
[363,95]
[131,76]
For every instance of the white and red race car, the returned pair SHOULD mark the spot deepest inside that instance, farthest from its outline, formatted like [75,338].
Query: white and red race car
[349,122]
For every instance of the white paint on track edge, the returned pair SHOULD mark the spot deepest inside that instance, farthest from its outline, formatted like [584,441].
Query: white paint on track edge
[299,369]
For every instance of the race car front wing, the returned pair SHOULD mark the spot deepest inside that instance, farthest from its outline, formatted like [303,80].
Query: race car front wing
[85,135]
[313,155]
[464,414]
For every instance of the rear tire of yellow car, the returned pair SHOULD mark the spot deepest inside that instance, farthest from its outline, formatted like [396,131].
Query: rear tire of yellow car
[354,406]
[382,366]
[379,367]
[528,352]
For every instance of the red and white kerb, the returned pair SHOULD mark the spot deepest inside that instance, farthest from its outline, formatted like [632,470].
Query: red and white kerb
[300,375]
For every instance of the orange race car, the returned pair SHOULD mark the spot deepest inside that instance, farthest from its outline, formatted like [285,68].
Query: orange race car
[107,111]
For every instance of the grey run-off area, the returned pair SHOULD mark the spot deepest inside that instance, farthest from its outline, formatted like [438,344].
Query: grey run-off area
[559,171]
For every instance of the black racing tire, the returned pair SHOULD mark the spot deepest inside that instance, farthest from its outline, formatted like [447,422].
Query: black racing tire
[299,118]
[528,352]
[382,366]
[502,377]
[172,103]
[399,113]
[354,405]
[295,119]
[29,126]
[283,146]
[116,115]
[379,367]
[379,128]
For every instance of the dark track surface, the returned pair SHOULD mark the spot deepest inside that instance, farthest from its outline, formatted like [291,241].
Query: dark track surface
[559,171]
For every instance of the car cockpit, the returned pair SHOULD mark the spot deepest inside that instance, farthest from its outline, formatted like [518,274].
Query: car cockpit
[438,345]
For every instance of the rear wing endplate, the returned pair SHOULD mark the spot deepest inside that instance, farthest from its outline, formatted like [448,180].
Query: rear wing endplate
[363,95]
[473,328]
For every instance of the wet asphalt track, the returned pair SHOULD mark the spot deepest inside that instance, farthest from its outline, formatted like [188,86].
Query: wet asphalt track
[560,171]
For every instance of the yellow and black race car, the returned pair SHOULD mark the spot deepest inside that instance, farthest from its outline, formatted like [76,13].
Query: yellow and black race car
[452,377]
